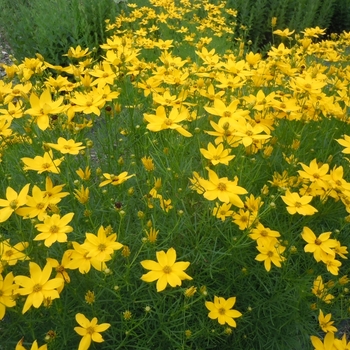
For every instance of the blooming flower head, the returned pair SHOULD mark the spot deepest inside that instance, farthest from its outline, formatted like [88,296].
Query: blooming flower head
[102,246]
[321,291]
[221,309]
[38,287]
[67,146]
[41,164]
[325,322]
[165,270]
[34,346]
[54,229]
[12,202]
[7,288]
[270,253]
[320,246]
[345,143]
[297,204]
[89,330]
[115,179]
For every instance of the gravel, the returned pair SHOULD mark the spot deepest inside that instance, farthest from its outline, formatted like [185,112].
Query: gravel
[5,52]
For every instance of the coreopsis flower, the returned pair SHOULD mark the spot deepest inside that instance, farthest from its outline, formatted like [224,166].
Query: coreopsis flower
[79,259]
[7,288]
[279,51]
[89,330]
[84,174]
[152,235]
[325,322]
[270,253]
[67,146]
[165,270]
[12,202]
[297,204]
[345,143]
[101,246]
[13,111]
[54,228]
[34,346]
[243,219]
[247,134]
[217,155]
[42,107]
[36,205]
[223,189]
[41,164]
[332,264]
[222,211]
[320,246]
[5,127]
[82,194]
[11,254]
[77,52]
[283,33]
[115,179]
[263,234]
[314,173]
[104,74]
[321,291]
[221,309]
[314,32]
[53,193]
[87,103]
[60,268]
[160,120]
[38,287]
[148,163]
[327,344]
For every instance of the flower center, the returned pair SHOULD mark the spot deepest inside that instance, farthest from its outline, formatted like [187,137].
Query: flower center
[90,330]
[37,288]
[46,165]
[318,241]
[167,269]
[222,311]
[54,229]
[101,247]
[264,233]
[13,204]
[221,186]
[298,205]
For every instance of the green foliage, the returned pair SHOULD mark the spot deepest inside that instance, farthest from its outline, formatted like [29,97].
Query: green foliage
[51,27]
[292,14]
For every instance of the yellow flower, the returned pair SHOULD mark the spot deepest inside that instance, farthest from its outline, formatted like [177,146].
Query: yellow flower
[270,254]
[82,195]
[166,270]
[217,155]
[325,323]
[222,211]
[66,146]
[284,33]
[101,247]
[160,120]
[321,291]
[148,163]
[34,346]
[38,287]
[53,193]
[43,106]
[327,344]
[11,254]
[115,179]
[54,229]
[89,330]
[89,297]
[77,52]
[297,204]
[79,259]
[320,246]
[223,189]
[314,173]
[152,235]
[346,143]
[41,164]
[84,174]
[36,205]
[12,202]
[87,103]
[221,309]
[263,234]
[6,293]
[60,268]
